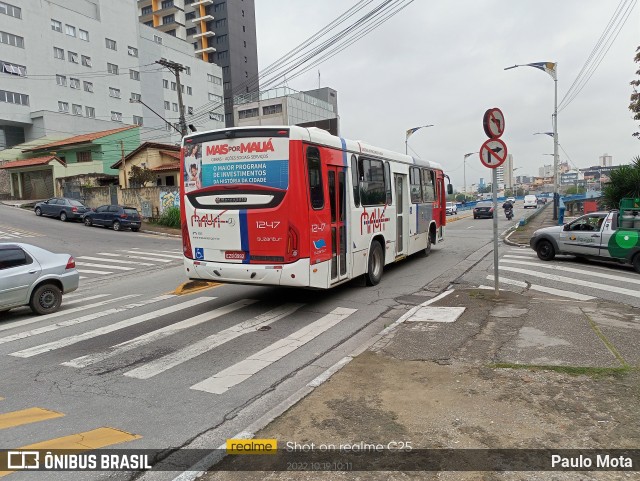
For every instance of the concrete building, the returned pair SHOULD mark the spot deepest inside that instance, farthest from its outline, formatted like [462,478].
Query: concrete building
[74,66]
[505,173]
[606,160]
[220,31]
[285,106]
[545,171]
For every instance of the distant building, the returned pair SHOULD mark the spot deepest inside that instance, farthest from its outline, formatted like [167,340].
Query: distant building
[505,173]
[606,160]
[545,171]
[285,106]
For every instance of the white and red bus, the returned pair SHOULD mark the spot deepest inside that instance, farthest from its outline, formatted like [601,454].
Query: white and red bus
[296,206]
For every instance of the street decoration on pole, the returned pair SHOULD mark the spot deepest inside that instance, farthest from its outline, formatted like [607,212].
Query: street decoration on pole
[409,133]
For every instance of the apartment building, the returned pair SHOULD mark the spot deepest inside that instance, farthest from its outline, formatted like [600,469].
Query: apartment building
[221,32]
[70,67]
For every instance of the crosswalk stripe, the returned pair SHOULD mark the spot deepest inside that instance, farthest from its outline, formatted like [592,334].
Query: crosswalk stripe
[593,266]
[227,378]
[70,322]
[90,271]
[586,272]
[117,261]
[78,443]
[191,351]
[509,256]
[26,416]
[175,253]
[570,280]
[68,341]
[134,257]
[547,290]
[118,268]
[158,334]
[62,312]
[155,254]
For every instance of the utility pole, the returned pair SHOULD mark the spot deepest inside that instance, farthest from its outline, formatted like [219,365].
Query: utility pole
[176,68]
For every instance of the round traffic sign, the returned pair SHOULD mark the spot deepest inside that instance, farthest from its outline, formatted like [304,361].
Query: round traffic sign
[493,123]
[493,153]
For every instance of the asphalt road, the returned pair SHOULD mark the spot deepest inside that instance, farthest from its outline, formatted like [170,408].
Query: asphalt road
[127,364]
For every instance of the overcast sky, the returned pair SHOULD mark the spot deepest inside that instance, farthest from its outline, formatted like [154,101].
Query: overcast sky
[441,62]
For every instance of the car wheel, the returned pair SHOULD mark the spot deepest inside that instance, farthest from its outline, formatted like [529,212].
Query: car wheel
[63,216]
[46,299]
[135,229]
[116,225]
[88,222]
[475,216]
[636,262]
[376,264]
[38,211]
[545,250]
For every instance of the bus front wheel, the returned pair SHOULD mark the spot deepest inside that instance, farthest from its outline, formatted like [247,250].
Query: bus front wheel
[376,264]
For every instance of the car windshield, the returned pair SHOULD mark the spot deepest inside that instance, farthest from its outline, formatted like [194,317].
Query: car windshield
[76,203]
[485,203]
[131,211]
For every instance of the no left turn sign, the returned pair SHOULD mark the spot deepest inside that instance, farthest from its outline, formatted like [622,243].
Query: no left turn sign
[493,153]
[493,123]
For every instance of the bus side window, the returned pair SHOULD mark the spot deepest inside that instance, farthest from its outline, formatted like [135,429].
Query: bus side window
[387,182]
[316,193]
[414,180]
[355,180]
[428,185]
[372,188]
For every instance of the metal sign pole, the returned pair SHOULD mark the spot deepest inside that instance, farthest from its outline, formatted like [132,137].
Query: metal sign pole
[495,231]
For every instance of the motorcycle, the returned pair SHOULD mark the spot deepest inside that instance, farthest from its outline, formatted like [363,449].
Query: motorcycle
[508,213]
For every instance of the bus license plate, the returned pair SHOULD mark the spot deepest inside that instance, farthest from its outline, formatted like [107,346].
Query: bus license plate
[235,255]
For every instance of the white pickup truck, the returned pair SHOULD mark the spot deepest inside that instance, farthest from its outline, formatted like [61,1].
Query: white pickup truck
[611,236]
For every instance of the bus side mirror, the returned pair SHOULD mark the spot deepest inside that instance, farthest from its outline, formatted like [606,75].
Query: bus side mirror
[449,189]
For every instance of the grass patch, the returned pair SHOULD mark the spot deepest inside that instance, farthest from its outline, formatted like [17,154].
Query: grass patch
[595,372]
[170,218]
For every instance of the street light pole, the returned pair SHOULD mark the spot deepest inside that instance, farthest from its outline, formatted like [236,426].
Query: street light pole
[409,133]
[464,171]
[552,69]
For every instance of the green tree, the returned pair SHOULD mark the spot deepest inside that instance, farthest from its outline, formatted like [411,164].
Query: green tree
[575,190]
[634,106]
[139,176]
[625,182]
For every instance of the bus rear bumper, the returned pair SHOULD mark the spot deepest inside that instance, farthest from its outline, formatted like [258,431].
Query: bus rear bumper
[295,274]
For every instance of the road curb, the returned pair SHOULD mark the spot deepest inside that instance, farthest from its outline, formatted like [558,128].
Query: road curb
[459,218]
[164,234]
[509,242]
[206,463]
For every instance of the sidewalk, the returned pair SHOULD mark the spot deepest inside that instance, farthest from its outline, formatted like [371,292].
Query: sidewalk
[521,235]
[522,371]
[151,228]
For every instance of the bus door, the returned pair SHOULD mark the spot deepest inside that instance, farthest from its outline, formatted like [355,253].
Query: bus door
[401,222]
[337,190]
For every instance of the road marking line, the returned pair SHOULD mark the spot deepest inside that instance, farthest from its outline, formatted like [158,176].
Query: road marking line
[239,372]
[64,312]
[118,268]
[174,256]
[548,290]
[191,351]
[68,341]
[118,261]
[586,272]
[26,416]
[89,271]
[69,322]
[570,280]
[177,253]
[134,257]
[80,442]
[156,335]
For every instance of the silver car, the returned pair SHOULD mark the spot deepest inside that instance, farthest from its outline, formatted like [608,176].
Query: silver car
[33,276]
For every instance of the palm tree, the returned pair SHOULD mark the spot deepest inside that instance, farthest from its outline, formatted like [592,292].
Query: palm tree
[625,183]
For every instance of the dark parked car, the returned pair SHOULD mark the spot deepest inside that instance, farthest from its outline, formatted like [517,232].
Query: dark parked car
[116,216]
[62,208]
[483,209]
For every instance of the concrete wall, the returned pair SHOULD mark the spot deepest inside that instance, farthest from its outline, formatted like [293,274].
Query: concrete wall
[151,195]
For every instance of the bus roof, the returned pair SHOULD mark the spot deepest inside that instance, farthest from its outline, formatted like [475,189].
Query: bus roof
[319,136]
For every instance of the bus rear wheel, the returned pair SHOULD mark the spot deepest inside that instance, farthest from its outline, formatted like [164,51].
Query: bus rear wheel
[375,264]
